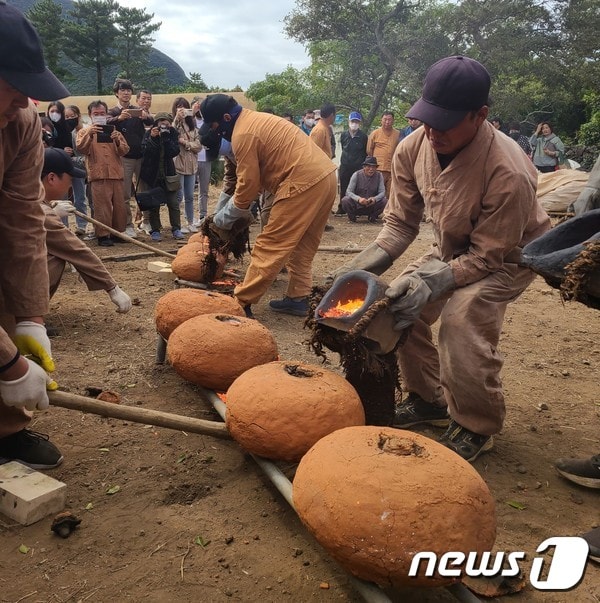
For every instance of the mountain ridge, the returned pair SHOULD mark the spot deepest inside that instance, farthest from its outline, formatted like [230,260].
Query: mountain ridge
[83,80]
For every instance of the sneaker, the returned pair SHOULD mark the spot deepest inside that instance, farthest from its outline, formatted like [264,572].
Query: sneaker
[287,305]
[374,219]
[105,242]
[584,472]
[248,311]
[119,240]
[80,231]
[467,444]
[130,232]
[177,234]
[155,236]
[185,230]
[593,539]
[145,227]
[30,448]
[328,227]
[191,227]
[339,212]
[351,218]
[415,411]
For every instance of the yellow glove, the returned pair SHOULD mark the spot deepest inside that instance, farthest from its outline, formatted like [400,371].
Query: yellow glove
[32,341]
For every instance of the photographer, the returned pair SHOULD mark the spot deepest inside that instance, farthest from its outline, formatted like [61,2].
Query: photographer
[159,147]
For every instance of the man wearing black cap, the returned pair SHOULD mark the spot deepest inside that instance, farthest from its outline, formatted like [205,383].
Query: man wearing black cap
[480,194]
[62,244]
[273,154]
[23,268]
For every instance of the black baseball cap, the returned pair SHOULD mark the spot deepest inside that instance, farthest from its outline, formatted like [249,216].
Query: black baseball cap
[453,87]
[59,162]
[22,59]
[213,107]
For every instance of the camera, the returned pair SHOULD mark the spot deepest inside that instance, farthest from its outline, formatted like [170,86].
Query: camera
[163,129]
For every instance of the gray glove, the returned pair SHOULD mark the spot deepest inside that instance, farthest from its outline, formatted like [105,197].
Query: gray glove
[222,201]
[229,214]
[372,259]
[409,294]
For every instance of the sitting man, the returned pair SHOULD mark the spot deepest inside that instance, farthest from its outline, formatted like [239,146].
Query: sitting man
[63,245]
[365,195]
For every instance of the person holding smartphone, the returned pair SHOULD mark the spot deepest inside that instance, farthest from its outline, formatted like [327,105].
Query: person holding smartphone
[186,163]
[547,148]
[131,121]
[104,146]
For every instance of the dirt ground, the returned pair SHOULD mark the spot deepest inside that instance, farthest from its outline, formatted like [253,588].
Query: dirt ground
[195,519]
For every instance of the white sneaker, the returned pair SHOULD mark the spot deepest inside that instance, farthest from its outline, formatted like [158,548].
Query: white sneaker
[130,232]
[185,230]
[190,227]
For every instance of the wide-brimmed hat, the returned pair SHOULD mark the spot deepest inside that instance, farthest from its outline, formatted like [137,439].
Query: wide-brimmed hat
[369,160]
[22,59]
[453,87]
[58,161]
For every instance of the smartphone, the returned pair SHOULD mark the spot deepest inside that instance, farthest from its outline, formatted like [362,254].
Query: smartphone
[189,113]
[104,134]
[135,112]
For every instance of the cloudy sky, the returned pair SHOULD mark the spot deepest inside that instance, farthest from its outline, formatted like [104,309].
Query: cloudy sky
[228,42]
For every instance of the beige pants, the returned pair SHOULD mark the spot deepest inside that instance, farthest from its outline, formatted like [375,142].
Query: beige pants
[465,372]
[290,238]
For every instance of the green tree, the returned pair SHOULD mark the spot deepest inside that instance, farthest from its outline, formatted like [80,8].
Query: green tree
[46,16]
[286,91]
[133,45]
[90,36]
[359,48]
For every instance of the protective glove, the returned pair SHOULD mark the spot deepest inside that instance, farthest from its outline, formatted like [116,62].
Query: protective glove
[120,299]
[63,208]
[372,259]
[222,201]
[32,341]
[409,294]
[29,391]
[229,214]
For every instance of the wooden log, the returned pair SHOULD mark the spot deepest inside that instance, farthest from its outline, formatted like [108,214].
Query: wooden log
[138,415]
[123,236]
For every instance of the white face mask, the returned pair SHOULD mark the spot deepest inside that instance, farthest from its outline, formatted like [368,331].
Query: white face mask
[99,119]
[309,121]
[353,126]
[55,117]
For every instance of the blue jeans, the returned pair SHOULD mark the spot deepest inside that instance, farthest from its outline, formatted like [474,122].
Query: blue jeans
[79,200]
[187,192]
[204,168]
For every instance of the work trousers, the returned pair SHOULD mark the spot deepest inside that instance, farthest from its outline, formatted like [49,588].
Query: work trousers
[464,371]
[131,168]
[290,238]
[108,205]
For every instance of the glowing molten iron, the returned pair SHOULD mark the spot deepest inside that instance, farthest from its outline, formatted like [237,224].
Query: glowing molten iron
[344,309]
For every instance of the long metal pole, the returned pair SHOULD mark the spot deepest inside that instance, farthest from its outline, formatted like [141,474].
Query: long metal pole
[370,592]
